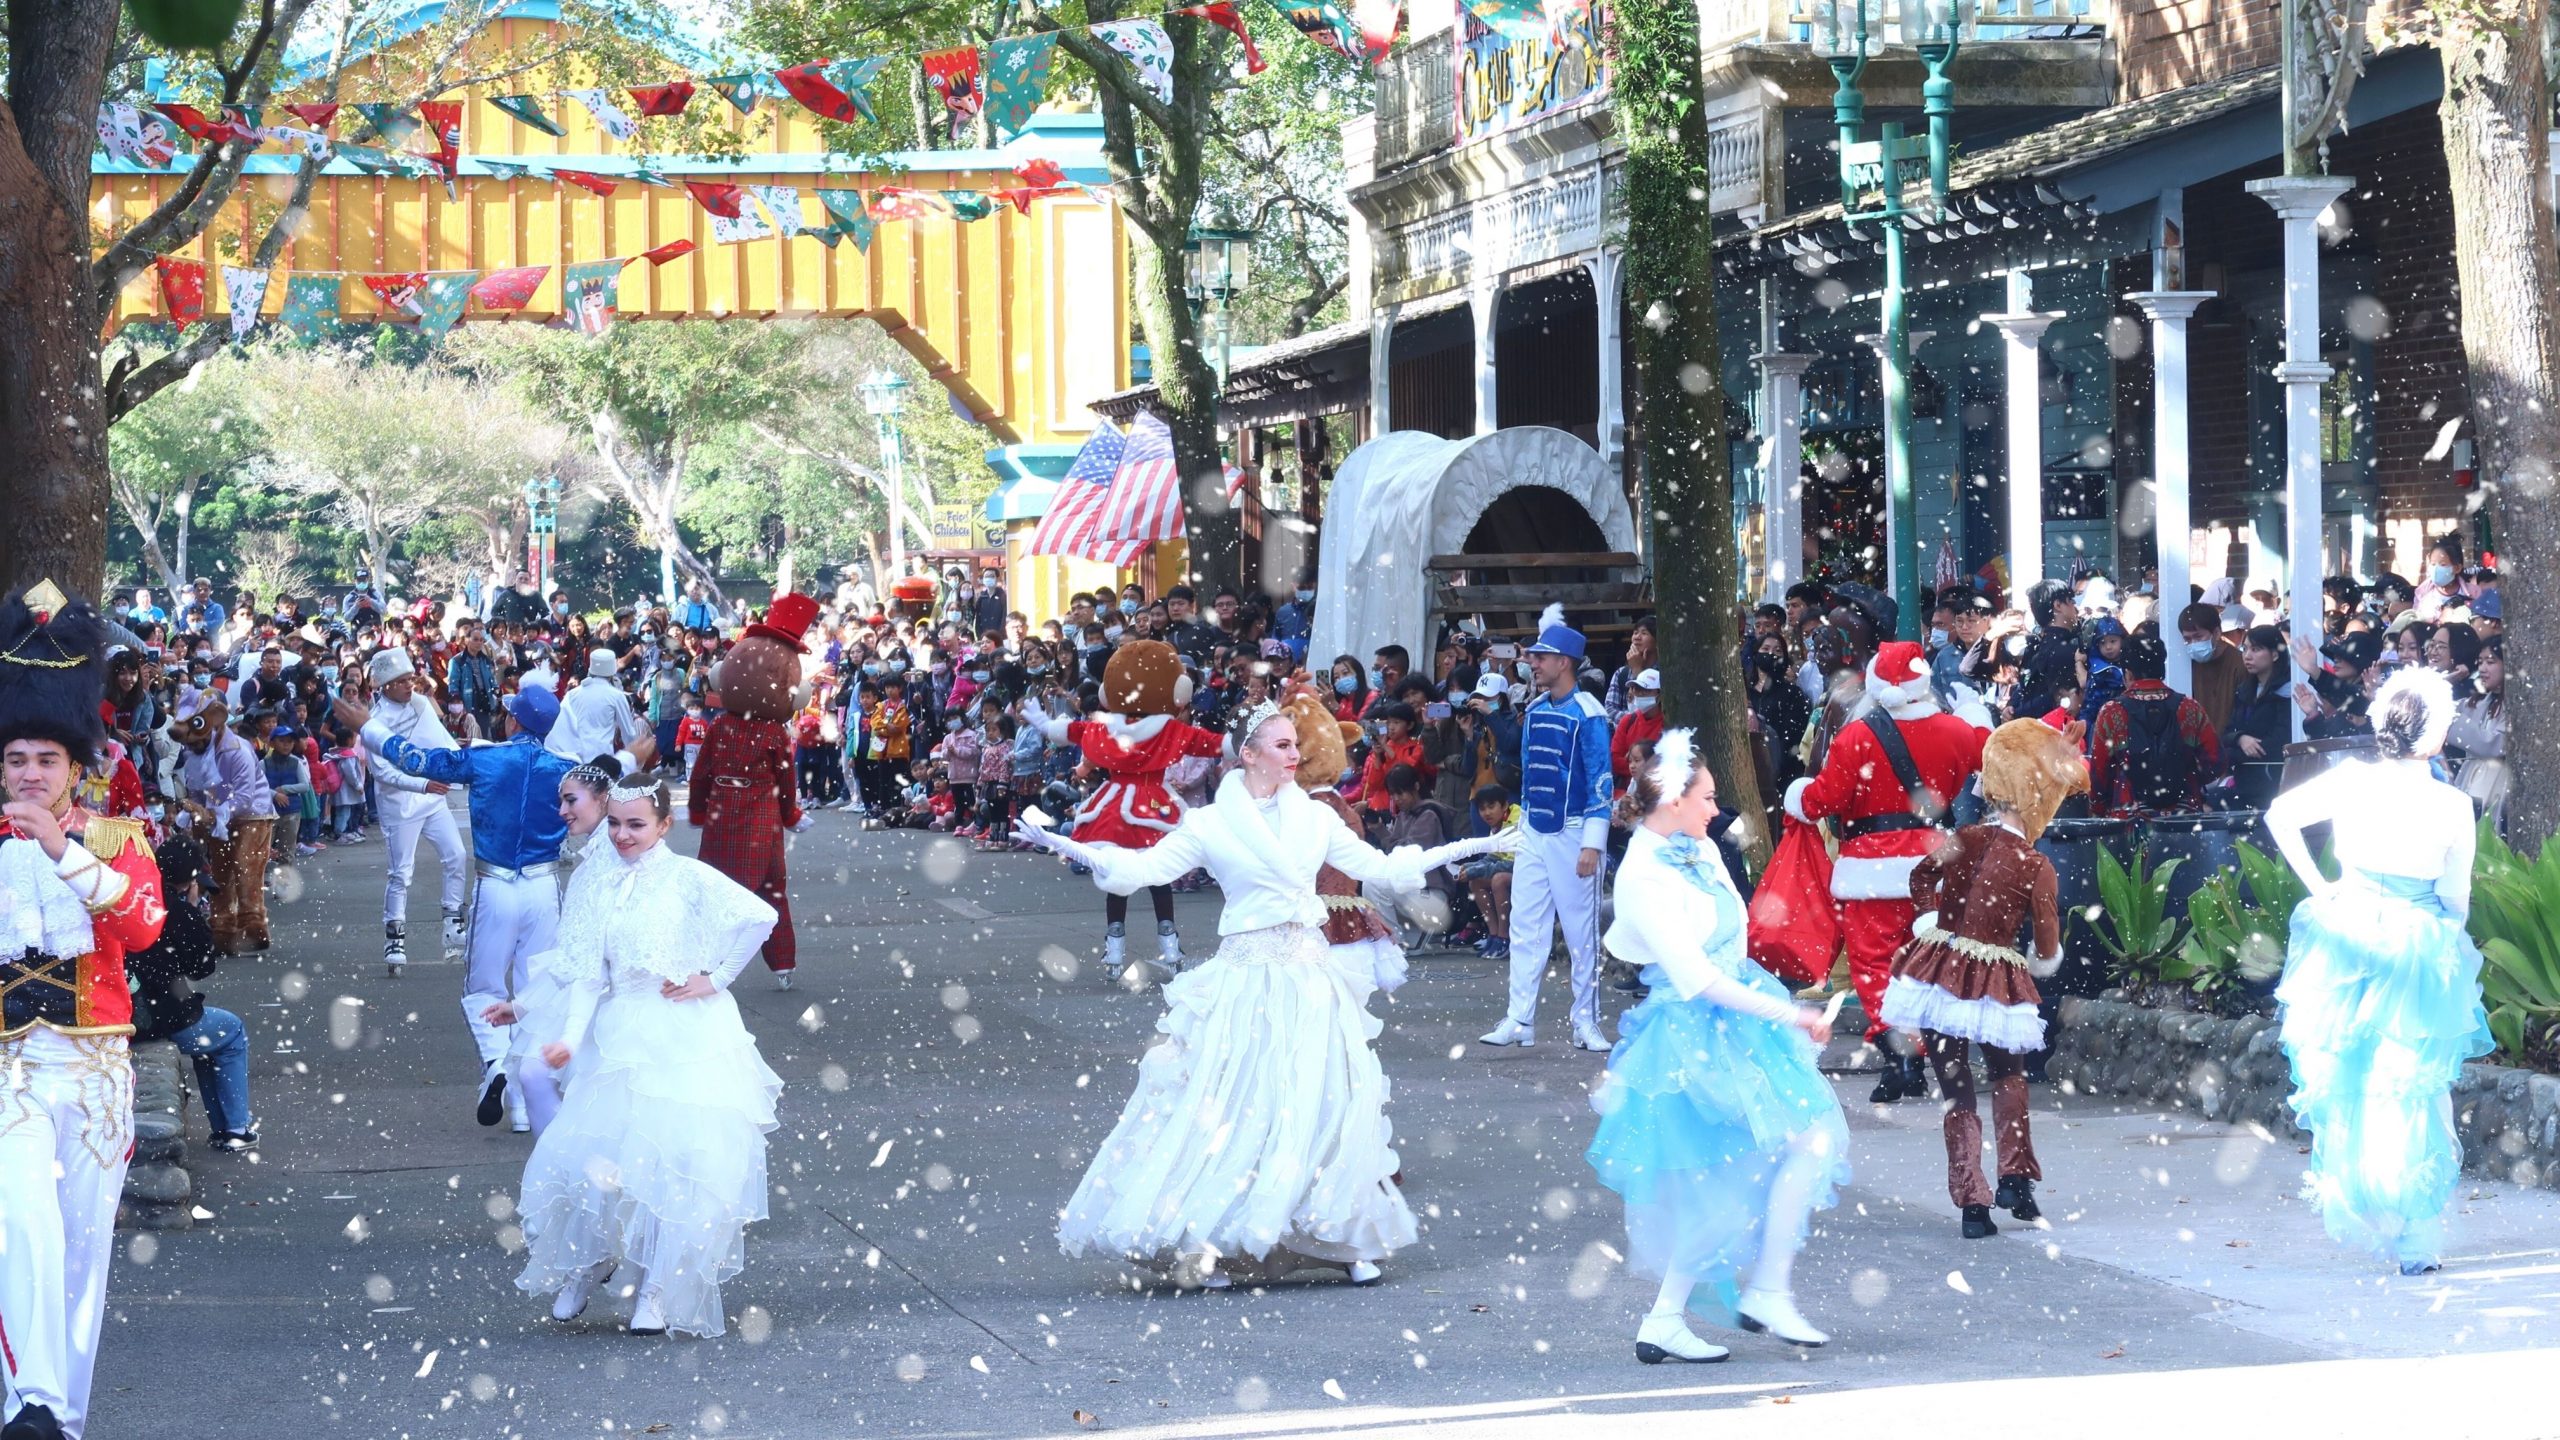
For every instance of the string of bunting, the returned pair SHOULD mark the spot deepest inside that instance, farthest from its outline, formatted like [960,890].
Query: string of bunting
[1006,80]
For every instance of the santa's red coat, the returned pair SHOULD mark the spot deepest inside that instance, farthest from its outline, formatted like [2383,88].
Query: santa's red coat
[1857,783]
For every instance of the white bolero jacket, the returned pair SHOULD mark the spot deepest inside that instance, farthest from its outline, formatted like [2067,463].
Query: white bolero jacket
[1265,864]
[1696,936]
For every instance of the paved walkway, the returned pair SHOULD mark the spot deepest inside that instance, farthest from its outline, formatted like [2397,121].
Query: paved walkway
[953,1055]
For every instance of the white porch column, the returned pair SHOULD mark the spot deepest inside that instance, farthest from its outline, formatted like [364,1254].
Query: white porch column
[1608,286]
[2022,330]
[1486,301]
[1382,343]
[2171,526]
[1782,470]
[2298,201]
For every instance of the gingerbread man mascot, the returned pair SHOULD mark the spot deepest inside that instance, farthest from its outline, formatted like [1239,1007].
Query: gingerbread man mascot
[743,791]
[1888,779]
[78,893]
[1133,741]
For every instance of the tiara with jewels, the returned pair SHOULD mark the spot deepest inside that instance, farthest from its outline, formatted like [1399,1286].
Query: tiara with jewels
[592,774]
[1262,713]
[623,794]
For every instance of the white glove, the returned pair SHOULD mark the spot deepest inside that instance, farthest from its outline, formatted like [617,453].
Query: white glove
[1032,713]
[804,822]
[1507,838]
[1031,832]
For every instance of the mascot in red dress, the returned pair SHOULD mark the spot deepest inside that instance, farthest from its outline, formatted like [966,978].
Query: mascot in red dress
[1888,779]
[743,790]
[1133,742]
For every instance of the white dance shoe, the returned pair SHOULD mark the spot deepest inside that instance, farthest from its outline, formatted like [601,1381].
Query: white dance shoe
[1774,1313]
[781,979]
[1169,960]
[1668,1337]
[457,935]
[1510,1032]
[649,1314]
[1364,1272]
[1587,1036]
[573,1297]
[1115,954]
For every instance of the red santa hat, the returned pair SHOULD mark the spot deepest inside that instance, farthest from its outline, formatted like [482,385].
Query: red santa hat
[1898,680]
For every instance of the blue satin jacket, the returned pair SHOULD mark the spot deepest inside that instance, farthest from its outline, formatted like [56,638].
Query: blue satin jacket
[515,792]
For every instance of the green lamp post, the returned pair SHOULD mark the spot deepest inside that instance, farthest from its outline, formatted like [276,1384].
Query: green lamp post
[1873,176]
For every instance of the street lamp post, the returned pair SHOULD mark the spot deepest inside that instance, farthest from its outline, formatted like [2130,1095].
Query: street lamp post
[884,394]
[1221,261]
[541,530]
[1842,34]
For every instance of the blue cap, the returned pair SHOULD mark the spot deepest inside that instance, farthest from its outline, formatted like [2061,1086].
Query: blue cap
[535,710]
[1556,637]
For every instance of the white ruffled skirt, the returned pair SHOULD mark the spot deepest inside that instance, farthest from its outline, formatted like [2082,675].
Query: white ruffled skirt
[1259,1128]
[657,1157]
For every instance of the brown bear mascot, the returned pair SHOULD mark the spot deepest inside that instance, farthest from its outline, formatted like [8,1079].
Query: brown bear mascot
[1133,742]
[743,790]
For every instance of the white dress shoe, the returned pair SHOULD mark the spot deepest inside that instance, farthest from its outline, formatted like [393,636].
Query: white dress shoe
[1587,1036]
[649,1314]
[1668,1337]
[573,1297]
[1115,955]
[1509,1032]
[1774,1312]
[1364,1272]
[781,979]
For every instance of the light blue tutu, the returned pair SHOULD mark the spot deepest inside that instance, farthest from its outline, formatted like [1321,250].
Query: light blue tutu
[2379,1008]
[1696,1112]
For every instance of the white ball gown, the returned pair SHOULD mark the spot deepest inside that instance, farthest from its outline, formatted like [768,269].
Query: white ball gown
[1258,1134]
[657,1157]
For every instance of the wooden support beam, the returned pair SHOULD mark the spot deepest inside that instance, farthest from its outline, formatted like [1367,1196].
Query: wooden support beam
[1581,559]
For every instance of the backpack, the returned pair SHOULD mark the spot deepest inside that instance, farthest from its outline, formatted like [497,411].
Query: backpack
[2158,762]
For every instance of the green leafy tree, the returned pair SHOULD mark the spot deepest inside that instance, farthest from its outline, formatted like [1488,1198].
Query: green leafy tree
[170,449]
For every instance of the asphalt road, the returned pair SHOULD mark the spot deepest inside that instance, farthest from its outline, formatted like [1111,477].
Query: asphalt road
[953,1054]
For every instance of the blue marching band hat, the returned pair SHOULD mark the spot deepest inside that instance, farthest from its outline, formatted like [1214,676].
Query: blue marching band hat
[1556,637]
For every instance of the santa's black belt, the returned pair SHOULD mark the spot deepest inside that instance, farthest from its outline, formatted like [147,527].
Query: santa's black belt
[37,986]
[1883,824]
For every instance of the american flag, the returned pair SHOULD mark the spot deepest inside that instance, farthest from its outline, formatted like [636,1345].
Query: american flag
[1073,524]
[1145,503]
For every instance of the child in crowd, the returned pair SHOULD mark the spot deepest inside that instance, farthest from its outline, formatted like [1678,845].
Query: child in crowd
[1489,876]
[1412,820]
[995,779]
[894,730]
[1394,746]
[290,780]
[958,755]
[1028,771]
[691,731]
[1642,724]
[942,807]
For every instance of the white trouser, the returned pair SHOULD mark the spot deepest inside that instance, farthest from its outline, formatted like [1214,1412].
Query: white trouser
[1546,891]
[401,837]
[513,920]
[66,1135]
[537,1089]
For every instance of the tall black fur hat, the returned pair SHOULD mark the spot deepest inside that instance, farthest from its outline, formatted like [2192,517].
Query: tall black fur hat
[53,674]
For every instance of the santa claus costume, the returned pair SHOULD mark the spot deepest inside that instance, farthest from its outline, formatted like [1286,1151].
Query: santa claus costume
[1888,778]
[1133,744]
[1963,979]
[742,792]
[78,893]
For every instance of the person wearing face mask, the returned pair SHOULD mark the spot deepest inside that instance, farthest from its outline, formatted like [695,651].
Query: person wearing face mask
[1293,624]
[1640,724]
[1350,689]
[1622,680]
[2438,588]
[2213,660]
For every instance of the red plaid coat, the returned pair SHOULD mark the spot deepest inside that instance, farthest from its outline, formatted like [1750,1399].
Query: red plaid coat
[742,793]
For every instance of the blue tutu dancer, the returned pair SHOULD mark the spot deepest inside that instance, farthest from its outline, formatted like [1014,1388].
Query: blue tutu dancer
[2380,1001]
[1716,1127]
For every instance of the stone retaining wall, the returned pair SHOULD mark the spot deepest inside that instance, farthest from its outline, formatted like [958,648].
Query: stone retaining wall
[2233,1069]
[159,1194]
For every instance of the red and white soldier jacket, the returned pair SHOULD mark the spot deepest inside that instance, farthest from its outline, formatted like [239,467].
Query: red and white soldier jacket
[67,925]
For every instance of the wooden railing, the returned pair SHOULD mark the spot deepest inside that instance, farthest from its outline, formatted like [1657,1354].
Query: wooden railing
[1417,100]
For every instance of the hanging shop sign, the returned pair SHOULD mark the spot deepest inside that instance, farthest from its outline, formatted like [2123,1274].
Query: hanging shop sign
[1505,83]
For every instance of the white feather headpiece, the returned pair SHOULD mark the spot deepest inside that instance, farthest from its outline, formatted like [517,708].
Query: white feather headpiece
[1675,763]
[2435,702]
[1550,617]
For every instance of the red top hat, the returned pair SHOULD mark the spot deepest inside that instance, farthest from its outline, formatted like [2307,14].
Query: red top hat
[788,621]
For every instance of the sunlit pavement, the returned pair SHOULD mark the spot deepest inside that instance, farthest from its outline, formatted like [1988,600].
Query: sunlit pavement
[948,1074]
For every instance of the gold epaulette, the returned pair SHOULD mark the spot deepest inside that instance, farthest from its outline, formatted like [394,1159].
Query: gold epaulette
[107,837]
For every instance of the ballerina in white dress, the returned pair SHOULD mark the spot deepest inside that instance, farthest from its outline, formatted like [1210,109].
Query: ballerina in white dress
[657,1157]
[540,1005]
[1257,1140]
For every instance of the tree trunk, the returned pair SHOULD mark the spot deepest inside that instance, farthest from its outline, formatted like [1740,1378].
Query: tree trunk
[2496,112]
[1671,267]
[53,419]
[1189,390]
[185,504]
[146,528]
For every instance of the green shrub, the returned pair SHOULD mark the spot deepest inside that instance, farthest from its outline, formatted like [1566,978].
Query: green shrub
[2138,931]
[2515,919]
[2239,924]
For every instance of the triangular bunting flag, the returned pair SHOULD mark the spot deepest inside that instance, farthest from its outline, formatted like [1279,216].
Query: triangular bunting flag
[399,293]
[1017,81]
[587,180]
[744,89]
[667,99]
[443,302]
[240,122]
[1379,23]
[748,224]
[853,78]
[1512,19]
[953,73]
[1147,48]
[646,176]
[316,115]
[1226,17]
[660,255]
[373,160]
[310,304]
[390,123]
[809,85]
[528,109]
[244,291]
[826,235]
[608,116]
[590,290]
[510,289]
[1326,23]
[968,204]
[1040,173]
[181,288]
[505,169]
[782,202]
[192,120]
[1019,199]
[444,125]
[136,136]
[853,216]
[314,144]
[897,202]
[720,197]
